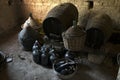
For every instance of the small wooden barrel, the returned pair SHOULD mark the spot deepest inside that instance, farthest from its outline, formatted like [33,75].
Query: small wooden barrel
[99,30]
[60,19]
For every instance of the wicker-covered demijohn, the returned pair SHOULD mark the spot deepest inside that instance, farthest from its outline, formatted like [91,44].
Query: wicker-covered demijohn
[74,38]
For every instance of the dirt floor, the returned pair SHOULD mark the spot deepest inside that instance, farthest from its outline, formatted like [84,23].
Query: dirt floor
[26,69]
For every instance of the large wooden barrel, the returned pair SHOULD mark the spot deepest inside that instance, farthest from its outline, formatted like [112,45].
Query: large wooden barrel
[99,30]
[60,18]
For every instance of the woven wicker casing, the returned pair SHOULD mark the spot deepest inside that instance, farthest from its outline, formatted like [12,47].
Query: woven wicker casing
[74,38]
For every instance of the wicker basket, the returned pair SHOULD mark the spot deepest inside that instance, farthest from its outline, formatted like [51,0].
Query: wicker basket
[74,38]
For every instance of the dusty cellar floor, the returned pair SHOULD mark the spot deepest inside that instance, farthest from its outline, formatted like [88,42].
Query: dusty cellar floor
[26,69]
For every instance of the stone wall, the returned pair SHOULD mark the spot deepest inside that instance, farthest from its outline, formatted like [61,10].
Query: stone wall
[111,7]
[10,14]
[13,12]
[40,7]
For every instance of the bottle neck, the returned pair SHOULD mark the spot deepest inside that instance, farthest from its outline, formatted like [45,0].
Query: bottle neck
[74,24]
